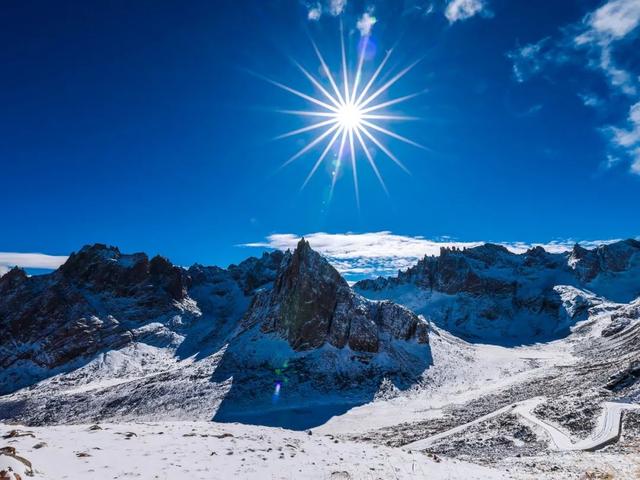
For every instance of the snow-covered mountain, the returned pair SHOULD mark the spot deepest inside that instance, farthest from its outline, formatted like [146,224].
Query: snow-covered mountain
[490,294]
[135,335]
[282,340]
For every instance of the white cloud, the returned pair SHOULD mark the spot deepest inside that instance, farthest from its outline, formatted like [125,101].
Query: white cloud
[595,41]
[30,260]
[590,100]
[627,140]
[463,9]
[336,7]
[635,166]
[612,21]
[601,30]
[610,162]
[592,41]
[530,59]
[315,12]
[315,9]
[358,255]
[628,137]
[365,23]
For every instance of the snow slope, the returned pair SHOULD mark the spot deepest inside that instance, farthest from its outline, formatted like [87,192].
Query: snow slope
[205,450]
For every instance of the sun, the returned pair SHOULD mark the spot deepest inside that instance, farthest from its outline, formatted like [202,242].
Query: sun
[349,117]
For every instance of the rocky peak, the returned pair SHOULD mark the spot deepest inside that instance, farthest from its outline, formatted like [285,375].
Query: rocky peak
[94,263]
[255,272]
[610,258]
[104,268]
[536,251]
[303,265]
[305,293]
[310,304]
[12,279]
[174,280]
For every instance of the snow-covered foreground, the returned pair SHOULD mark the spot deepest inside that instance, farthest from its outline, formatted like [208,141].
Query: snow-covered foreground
[447,409]
[206,450]
[461,372]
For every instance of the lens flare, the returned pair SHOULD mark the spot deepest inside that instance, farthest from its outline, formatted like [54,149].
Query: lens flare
[349,116]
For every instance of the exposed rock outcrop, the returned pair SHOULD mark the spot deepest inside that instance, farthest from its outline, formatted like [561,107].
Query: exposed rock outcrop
[101,299]
[612,258]
[310,304]
[491,294]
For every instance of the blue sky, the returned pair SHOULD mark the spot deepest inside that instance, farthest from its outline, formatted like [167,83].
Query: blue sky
[138,124]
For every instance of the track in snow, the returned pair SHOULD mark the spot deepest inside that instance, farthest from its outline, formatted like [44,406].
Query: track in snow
[607,431]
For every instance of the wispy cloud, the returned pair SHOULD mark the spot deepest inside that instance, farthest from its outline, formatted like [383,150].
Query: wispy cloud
[593,42]
[359,255]
[29,260]
[627,139]
[457,10]
[594,39]
[590,99]
[336,7]
[530,59]
[601,30]
[315,12]
[315,9]
[366,22]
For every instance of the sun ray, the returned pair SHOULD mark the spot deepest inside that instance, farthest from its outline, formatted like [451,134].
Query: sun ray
[374,77]
[314,126]
[296,92]
[388,117]
[345,73]
[327,72]
[384,149]
[307,113]
[393,134]
[354,167]
[386,86]
[322,156]
[394,101]
[317,84]
[309,146]
[371,161]
[356,82]
[338,161]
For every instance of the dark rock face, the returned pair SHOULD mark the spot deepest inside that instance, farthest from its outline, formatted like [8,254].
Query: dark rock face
[311,304]
[12,280]
[491,294]
[493,270]
[612,258]
[306,291]
[255,272]
[625,378]
[101,299]
[475,271]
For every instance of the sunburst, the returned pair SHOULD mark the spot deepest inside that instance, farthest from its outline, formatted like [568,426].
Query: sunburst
[348,114]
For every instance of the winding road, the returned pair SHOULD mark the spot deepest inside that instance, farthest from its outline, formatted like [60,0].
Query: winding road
[607,430]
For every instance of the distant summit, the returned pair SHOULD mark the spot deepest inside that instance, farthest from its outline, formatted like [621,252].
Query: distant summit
[488,293]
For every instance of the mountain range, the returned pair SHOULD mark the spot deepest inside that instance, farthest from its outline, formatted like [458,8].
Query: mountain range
[283,340]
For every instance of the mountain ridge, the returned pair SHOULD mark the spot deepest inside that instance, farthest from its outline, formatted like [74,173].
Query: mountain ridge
[488,293]
[220,333]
